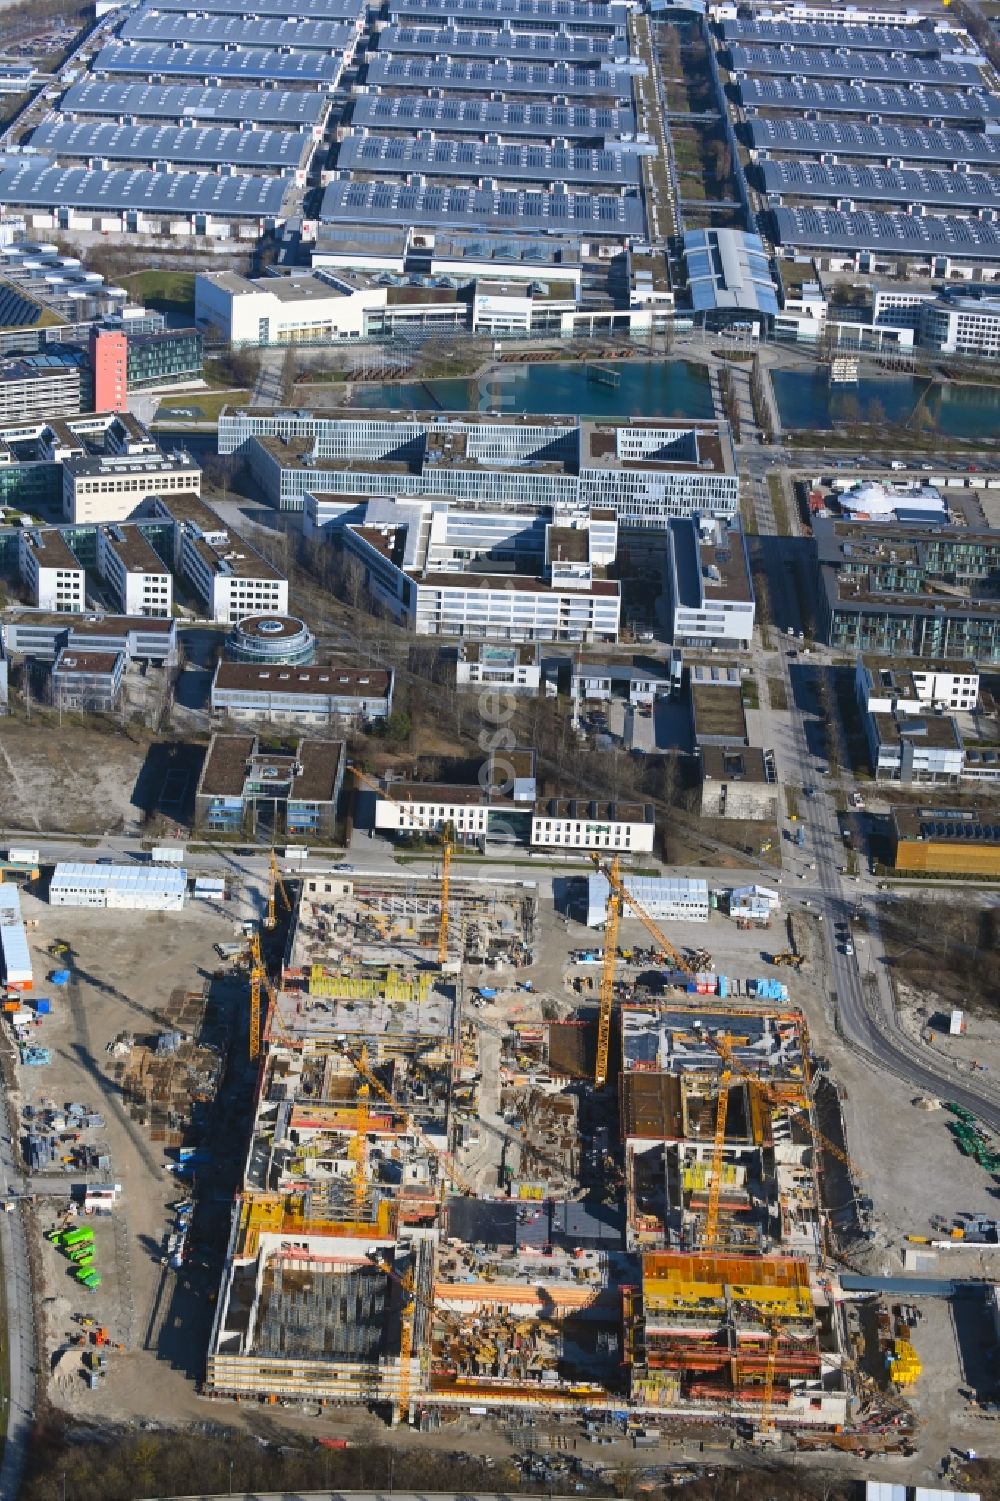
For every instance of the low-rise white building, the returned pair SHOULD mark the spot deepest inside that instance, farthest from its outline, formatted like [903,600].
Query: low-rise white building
[663,898]
[709,583]
[578,824]
[492,665]
[281,692]
[51,571]
[910,739]
[130,566]
[127,888]
[916,687]
[480,815]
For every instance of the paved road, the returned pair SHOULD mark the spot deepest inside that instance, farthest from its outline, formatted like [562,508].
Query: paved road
[20,1323]
[865,1007]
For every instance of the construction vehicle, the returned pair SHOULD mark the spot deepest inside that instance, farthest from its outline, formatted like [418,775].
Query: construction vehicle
[612,874]
[447,837]
[794,961]
[449,1170]
[275,888]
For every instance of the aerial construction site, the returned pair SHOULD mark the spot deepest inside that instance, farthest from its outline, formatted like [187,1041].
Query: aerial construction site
[463,1192]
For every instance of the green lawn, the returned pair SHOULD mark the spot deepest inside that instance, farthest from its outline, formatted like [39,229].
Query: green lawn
[175,288]
[209,402]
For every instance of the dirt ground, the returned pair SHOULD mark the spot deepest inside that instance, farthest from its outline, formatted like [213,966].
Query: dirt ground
[74,780]
[125,967]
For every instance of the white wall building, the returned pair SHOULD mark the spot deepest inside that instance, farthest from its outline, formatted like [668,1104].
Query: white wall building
[228,575]
[324,306]
[575,823]
[125,888]
[488,575]
[111,488]
[130,566]
[478,816]
[962,325]
[51,571]
[909,724]
[709,583]
[644,472]
[280,692]
[509,669]
[951,687]
[664,898]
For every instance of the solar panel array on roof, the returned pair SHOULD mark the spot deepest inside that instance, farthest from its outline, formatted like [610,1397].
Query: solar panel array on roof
[565,13]
[320,10]
[926,234]
[475,159]
[832,34]
[460,208]
[207,147]
[981,833]
[476,116]
[972,105]
[445,41]
[865,67]
[849,138]
[182,61]
[881,184]
[147,101]
[385,71]
[37,183]
[244,30]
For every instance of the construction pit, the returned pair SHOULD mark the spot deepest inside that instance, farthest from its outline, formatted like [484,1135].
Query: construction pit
[439,1209]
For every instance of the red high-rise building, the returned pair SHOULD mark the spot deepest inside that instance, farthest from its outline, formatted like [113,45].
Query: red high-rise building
[109,363]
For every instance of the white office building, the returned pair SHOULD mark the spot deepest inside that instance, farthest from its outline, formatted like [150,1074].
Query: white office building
[709,583]
[966,325]
[111,488]
[139,581]
[227,574]
[479,816]
[943,686]
[490,665]
[283,693]
[643,472]
[126,888]
[579,824]
[493,576]
[51,571]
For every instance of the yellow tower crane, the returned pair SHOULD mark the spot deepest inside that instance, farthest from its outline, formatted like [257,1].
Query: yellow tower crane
[411,1297]
[447,836]
[258,979]
[718,1149]
[449,1170]
[767,1400]
[359,1143]
[612,875]
[275,888]
[608,974]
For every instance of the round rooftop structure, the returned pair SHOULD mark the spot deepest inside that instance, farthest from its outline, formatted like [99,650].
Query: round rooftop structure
[271,638]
